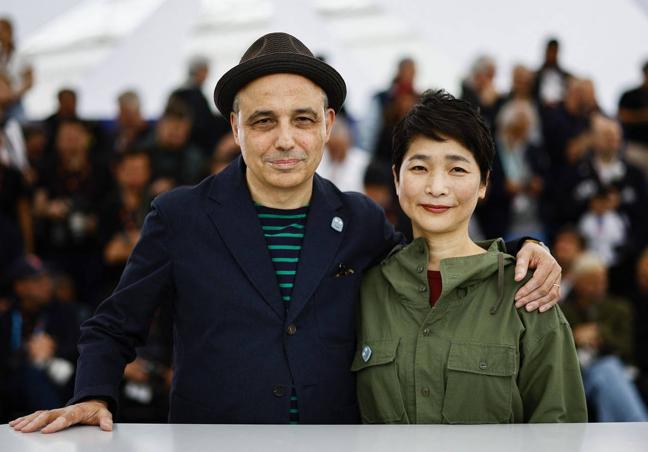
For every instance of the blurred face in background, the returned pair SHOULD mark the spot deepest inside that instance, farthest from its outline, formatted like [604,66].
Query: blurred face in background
[173,131]
[34,291]
[522,84]
[72,143]
[567,247]
[607,137]
[67,104]
[591,286]
[134,172]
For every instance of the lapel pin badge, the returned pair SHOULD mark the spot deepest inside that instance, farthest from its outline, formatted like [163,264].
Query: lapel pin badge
[366,353]
[337,224]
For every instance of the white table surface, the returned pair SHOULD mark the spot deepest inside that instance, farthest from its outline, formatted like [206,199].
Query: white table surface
[619,437]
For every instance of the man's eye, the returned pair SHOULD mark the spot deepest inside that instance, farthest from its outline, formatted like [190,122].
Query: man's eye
[304,119]
[262,121]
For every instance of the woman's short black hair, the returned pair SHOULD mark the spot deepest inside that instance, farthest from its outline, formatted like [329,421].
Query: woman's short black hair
[439,116]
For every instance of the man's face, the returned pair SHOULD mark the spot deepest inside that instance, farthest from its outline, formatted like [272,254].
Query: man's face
[282,127]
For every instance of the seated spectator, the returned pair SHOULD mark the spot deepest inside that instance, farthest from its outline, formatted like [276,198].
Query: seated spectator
[633,113]
[37,342]
[132,132]
[603,227]
[35,147]
[603,331]
[206,127]
[522,90]
[66,205]
[551,79]
[12,142]
[479,89]
[568,246]
[605,168]
[566,126]
[342,163]
[226,151]
[514,202]
[122,213]
[174,159]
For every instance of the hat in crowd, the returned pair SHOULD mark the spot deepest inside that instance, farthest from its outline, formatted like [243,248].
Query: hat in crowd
[26,266]
[278,53]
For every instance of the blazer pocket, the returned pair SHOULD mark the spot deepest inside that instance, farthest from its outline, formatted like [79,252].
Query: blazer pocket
[479,383]
[378,387]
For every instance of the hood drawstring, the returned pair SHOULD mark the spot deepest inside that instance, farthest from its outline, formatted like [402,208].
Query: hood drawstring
[500,283]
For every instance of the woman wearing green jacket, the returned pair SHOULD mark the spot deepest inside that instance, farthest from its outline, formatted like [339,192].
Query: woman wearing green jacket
[440,340]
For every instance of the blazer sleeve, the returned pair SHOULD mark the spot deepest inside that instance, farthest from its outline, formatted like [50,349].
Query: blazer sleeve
[549,379]
[121,322]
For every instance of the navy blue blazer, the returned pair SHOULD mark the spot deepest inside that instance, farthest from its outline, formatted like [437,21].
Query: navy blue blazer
[203,249]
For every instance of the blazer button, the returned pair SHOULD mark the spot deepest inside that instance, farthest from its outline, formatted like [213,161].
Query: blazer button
[483,365]
[291,330]
[425,392]
[278,391]
[422,288]
[426,332]
[420,269]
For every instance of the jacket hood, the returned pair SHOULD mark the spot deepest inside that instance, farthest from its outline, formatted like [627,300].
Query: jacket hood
[406,269]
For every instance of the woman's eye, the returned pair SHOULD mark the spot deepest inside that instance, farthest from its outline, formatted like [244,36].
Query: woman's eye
[418,168]
[458,169]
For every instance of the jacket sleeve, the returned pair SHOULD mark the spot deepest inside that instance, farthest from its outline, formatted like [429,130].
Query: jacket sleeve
[121,322]
[549,380]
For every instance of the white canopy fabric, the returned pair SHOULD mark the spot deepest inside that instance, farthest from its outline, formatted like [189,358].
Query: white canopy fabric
[102,47]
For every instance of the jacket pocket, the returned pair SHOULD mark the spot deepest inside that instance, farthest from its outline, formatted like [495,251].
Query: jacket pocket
[479,383]
[378,388]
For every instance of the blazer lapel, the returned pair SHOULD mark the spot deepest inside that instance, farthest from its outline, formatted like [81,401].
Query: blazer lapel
[234,216]
[320,245]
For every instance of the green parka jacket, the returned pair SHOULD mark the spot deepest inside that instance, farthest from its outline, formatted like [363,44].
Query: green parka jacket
[472,358]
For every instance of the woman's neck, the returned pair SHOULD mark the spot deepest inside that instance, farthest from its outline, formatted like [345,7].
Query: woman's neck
[443,246]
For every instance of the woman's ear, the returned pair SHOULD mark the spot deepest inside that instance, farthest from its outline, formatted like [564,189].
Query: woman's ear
[483,188]
[395,175]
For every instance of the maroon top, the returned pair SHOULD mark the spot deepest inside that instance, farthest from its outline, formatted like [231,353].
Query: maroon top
[434,279]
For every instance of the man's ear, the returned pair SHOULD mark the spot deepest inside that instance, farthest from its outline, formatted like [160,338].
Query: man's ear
[395,176]
[329,119]
[234,124]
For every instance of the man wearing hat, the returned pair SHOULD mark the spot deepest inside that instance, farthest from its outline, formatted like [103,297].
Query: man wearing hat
[261,263]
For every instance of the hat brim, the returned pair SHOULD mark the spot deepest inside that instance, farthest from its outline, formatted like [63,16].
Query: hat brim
[313,69]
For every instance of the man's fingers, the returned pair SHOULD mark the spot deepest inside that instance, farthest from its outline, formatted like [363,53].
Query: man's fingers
[22,421]
[541,288]
[521,267]
[545,303]
[37,422]
[105,420]
[57,424]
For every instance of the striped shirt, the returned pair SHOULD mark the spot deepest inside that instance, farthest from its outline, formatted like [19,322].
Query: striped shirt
[284,234]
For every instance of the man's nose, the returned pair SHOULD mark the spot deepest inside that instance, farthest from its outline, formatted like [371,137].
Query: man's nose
[285,138]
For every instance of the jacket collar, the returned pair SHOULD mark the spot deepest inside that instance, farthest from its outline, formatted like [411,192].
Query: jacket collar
[235,217]
[406,269]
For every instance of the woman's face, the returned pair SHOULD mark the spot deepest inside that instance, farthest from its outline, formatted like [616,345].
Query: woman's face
[438,187]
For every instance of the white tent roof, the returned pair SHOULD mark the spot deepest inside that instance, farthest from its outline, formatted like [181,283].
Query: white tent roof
[102,47]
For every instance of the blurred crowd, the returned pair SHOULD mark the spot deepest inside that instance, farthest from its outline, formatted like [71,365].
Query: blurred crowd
[74,193]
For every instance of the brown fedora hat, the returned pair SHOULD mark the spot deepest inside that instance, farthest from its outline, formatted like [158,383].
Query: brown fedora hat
[278,53]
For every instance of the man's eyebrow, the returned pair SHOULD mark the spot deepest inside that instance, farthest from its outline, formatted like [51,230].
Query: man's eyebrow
[258,114]
[307,110]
